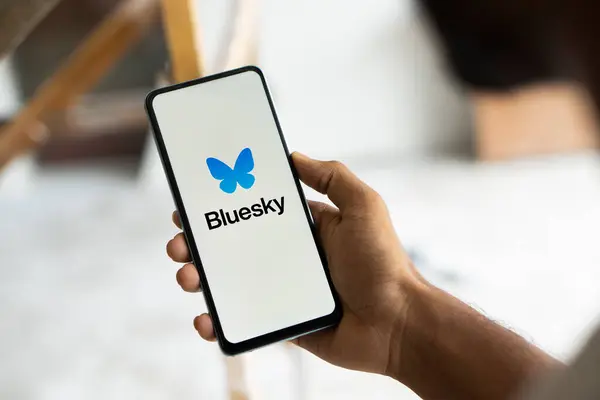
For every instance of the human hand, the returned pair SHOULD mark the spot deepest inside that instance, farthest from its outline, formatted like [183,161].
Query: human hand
[371,272]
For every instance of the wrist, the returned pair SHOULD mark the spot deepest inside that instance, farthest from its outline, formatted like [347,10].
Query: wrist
[415,294]
[441,346]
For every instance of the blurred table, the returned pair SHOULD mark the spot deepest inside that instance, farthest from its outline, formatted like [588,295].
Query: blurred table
[90,308]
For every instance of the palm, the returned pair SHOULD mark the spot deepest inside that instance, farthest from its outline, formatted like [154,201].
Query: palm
[357,248]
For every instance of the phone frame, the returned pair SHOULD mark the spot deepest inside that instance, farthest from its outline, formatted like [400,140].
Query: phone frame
[291,332]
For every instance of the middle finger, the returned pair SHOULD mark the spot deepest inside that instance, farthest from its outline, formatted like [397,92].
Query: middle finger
[177,249]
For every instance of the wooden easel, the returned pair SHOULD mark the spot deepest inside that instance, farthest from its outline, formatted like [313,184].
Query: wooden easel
[108,42]
[78,74]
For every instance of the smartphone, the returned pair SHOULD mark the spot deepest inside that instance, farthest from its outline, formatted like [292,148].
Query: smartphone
[245,218]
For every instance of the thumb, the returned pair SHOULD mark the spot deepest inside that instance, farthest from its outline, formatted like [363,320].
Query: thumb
[333,179]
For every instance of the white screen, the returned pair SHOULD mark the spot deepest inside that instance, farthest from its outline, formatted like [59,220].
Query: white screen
[264,271]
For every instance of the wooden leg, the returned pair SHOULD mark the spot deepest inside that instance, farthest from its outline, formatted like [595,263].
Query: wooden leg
[236,378]
[90,61]
[183,32]
[242,47]
[299,376]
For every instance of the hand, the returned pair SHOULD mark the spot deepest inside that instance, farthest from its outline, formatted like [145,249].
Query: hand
[371,272]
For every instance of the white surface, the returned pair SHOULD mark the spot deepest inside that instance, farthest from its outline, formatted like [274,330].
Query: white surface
[16,177]
[90,308]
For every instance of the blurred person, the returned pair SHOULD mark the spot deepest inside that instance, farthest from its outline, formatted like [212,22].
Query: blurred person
[396,323]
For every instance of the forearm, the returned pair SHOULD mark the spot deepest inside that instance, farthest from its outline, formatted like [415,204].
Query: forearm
[445,349]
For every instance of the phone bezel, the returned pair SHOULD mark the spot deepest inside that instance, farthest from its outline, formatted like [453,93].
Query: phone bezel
[226,346]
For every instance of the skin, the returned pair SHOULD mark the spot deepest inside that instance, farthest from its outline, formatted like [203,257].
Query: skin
[395,323]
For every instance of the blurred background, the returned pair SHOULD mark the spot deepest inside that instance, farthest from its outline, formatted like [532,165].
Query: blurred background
[494,193]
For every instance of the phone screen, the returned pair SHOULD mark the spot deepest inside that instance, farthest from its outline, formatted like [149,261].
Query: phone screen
[246,214]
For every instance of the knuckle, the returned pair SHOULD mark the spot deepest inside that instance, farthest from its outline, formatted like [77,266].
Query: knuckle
[372,198]
[330,171]
[336,165]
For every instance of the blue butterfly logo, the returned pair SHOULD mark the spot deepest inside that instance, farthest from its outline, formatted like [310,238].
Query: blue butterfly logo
[239,175]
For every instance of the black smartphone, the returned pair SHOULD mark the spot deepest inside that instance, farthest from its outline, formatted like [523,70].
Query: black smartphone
[246,221]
